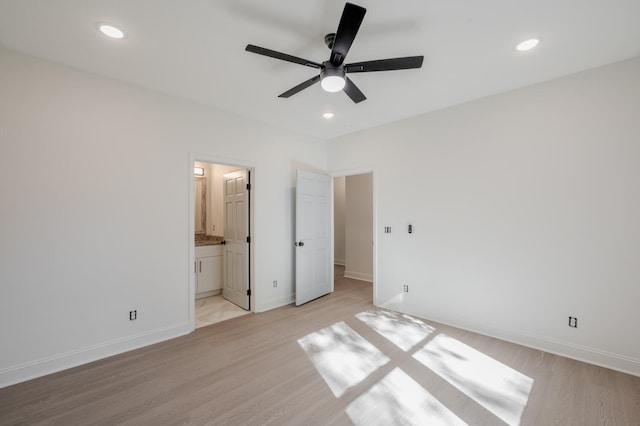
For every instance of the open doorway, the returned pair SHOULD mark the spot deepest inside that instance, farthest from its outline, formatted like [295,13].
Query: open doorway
[354,228]
[220,251]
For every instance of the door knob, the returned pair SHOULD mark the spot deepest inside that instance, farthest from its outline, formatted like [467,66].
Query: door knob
[300,244]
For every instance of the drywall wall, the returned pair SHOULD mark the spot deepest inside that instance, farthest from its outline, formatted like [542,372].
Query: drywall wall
[338,220]
[95,178]
[525,211]
[359,227]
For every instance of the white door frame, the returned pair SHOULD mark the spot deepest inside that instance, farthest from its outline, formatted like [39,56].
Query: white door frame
[207,158]
[374,189]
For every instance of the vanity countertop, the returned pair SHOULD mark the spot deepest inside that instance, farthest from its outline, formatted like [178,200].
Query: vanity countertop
[208,240]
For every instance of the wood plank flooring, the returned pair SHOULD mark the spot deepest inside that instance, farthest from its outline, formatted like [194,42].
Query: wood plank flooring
[252,370]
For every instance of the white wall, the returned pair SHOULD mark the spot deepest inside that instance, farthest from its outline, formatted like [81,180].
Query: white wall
[359,227]
[338,220]
[525,210]
[94,184]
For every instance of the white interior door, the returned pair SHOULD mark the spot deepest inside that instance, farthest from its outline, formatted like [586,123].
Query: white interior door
[314,272]
[236,247]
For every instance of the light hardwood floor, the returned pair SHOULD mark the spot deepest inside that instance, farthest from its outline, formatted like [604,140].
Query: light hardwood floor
[334,361]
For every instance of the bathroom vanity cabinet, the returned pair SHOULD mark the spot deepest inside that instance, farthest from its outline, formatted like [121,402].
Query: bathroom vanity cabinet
[208,268]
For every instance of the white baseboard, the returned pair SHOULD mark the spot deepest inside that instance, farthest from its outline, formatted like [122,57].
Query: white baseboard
[586,354]
[582,353]
[358,276]
[339,262]
[208,294]
[31,370]
[275,303]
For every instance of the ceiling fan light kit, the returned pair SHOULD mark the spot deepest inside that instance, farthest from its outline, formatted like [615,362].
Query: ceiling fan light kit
[333,73]
[332,79]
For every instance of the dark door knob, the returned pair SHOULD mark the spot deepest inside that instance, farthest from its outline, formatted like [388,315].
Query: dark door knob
[300,244]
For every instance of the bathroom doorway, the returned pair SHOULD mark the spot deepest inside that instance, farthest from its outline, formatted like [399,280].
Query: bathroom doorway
[221,251]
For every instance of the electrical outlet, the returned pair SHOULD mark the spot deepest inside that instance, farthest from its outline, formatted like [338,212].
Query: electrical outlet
[387,229]
[133,315]
[275,283]
[405,288]
[573,322]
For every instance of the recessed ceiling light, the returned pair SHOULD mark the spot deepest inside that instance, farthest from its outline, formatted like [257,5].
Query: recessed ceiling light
[111,31]
[328,115]
[527,44]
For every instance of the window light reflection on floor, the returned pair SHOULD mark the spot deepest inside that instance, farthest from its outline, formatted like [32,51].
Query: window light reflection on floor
[397,399]
[402,330]
[498,388]
[342,357]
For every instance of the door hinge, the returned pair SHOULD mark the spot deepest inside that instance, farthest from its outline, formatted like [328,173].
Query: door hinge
[248,187]
[249,240]
[248,292]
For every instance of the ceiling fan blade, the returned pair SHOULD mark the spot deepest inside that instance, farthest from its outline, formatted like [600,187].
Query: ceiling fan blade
[406,63]
[300,87]
[352,17]
[282,56]
[353,92]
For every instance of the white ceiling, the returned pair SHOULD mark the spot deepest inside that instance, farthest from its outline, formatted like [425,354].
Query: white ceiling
[195,49]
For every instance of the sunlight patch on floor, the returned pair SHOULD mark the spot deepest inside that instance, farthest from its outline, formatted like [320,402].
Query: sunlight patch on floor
[342,356]
[397,399]
[402,330]
[345,359]
[498,388]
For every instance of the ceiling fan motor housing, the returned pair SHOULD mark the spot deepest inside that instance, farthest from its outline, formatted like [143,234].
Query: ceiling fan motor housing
[330,70]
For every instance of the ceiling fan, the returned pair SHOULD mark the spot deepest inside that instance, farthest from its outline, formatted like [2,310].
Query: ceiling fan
[333,73]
